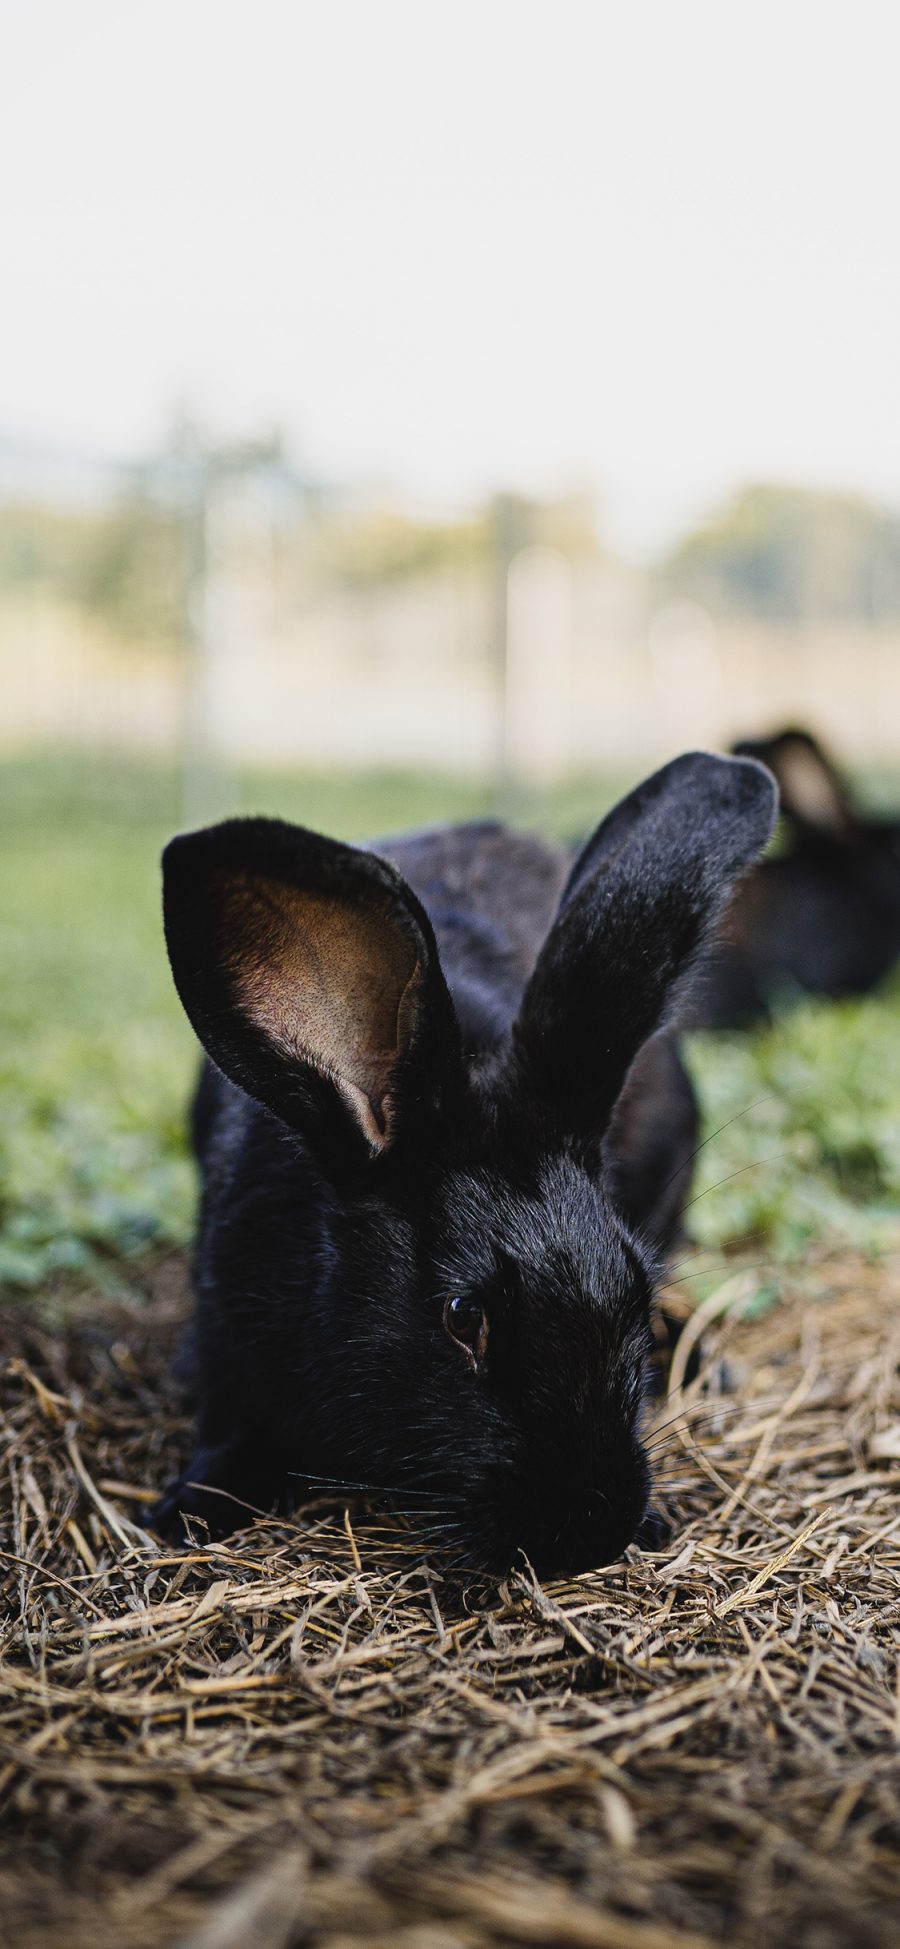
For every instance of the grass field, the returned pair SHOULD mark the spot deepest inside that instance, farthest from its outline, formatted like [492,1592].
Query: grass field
[321,1733]
[96,1060]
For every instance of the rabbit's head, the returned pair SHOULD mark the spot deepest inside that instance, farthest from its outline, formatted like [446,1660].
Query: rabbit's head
[812,795]
[475,1328]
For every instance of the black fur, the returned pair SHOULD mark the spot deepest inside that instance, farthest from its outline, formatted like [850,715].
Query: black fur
[823,914]
[470,1128]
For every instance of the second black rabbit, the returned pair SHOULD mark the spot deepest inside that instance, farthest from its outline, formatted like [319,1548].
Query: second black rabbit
[822,916]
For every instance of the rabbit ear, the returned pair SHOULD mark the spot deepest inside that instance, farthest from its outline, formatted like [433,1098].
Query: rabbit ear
[311,976]
[811,790]
[641,899]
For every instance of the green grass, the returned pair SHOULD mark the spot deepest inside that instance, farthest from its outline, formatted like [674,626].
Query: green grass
[96,1059]
[802,1121]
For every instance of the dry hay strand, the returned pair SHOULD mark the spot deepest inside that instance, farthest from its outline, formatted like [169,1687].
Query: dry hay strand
[318,1734]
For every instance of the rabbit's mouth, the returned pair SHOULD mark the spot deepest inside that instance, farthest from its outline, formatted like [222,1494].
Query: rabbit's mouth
[566,1532]
[587,1541]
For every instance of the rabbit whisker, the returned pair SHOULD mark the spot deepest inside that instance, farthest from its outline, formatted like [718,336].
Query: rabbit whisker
[762,1265]
[344,1484]
[771,1097]
[778,1157]
[734,1245]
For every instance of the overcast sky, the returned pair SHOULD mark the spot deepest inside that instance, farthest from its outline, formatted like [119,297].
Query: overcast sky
[652,245]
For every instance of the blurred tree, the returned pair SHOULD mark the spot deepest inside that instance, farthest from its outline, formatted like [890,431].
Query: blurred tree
[120,562]
[359,546]
[791,554]
[44,547]
[130,575]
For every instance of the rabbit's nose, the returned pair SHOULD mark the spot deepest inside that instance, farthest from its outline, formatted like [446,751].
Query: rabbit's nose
[582,1548]
[593,1529]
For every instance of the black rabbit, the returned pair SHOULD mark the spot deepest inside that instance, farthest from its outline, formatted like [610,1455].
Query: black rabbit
[434,1196]
[822,915]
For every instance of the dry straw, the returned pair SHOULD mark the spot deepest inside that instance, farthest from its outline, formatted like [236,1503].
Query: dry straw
[320,1734]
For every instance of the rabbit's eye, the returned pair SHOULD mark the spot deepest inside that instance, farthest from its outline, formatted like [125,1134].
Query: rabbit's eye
[466,1323]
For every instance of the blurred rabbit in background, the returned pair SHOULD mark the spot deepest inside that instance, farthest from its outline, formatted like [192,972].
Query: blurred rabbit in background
[822,914]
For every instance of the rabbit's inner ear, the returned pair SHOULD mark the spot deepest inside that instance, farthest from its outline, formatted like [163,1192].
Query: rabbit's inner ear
[328,984]
[810,790]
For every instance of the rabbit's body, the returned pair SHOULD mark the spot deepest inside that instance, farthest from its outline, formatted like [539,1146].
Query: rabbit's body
[490,894]
[432,1201]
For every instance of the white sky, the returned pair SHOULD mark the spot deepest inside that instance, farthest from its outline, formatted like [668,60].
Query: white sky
[654,244]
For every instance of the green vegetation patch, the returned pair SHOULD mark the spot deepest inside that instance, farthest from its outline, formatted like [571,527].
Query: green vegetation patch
[801,1129]
[801,1120]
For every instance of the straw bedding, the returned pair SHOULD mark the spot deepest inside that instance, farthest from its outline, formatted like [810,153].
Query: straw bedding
[320,1734]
